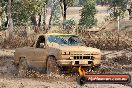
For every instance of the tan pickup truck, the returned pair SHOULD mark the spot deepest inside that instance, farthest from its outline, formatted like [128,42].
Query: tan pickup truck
[55,52]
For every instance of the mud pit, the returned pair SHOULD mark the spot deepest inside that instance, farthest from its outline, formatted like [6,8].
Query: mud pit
[8,79]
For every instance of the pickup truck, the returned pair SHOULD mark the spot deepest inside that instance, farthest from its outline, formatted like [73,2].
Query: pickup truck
[54,52]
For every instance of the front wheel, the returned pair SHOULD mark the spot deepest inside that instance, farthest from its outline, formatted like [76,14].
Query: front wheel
[52,66]
[22,68]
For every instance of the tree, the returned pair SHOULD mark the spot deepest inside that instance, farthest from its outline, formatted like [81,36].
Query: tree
[10,21]
[29,8]
[103,2]
[0,15]
[64,5]
[3,14]
[43,14]
[31,11]
[81,2]
[117,8]
[88,14]
[55,13]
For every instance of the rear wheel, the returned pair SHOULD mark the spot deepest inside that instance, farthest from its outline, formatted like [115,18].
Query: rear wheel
[22,68]
[52,66]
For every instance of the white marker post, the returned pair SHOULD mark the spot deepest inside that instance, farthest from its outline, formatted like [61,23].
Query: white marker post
[118,24]
[118,19]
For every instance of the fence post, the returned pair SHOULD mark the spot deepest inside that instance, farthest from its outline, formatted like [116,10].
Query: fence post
[118,41]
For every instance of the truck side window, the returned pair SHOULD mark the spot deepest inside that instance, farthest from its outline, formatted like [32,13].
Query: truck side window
[41,39]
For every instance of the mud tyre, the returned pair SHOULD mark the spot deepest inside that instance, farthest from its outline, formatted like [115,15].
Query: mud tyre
[22,68]
[52,66]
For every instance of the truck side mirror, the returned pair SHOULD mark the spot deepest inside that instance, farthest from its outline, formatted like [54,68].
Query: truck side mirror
[42,45]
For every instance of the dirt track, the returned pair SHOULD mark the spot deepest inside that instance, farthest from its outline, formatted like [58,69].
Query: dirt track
[8,80]
[30,83]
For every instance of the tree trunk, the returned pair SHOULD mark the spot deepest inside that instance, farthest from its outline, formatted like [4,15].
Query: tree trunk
[43,18]
[62,7]
[36,19]
[65,8]
[10,21]
[51,16]
[0,16]
[39,20]
[63,4]
[0,23]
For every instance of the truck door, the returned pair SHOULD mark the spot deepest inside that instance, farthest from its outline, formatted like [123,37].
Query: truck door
[39,52]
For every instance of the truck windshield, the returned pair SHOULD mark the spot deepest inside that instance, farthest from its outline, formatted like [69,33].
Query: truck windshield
[71,40]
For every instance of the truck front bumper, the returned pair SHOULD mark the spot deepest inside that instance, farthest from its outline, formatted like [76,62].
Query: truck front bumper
[77,62]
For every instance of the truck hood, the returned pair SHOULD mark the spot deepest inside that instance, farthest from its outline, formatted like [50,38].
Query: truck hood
[76,48]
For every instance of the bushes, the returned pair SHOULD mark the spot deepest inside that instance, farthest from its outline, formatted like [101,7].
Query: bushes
[69,24]
[107,41]
[16,40]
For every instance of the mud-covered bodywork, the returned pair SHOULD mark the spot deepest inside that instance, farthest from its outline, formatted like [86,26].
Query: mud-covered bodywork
[66,48]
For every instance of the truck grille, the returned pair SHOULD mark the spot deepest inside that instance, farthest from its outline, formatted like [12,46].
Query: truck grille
[84,57]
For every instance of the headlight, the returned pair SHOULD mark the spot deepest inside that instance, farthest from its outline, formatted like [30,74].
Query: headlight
[65,53]
[71,58]
[96,53]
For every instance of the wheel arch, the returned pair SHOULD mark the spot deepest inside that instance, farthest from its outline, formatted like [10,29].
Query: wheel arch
[21,58]
[54,62]
[50,56]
